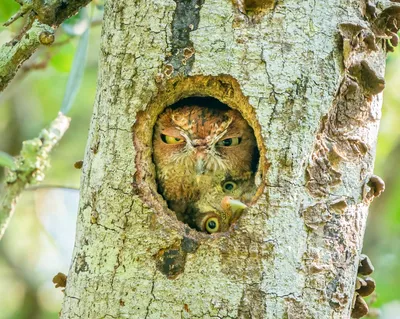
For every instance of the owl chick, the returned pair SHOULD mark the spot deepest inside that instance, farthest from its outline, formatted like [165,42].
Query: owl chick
[220,220]
[222,205]
[193,146]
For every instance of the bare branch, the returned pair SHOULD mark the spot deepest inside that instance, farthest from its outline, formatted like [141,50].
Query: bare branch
[51,12]
[47,17]
[12,56]
[30,166]
[54,12]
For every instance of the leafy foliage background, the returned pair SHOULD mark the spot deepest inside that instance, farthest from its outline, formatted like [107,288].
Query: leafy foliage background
[38,243]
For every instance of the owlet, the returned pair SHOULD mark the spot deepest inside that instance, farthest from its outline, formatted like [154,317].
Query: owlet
[222,205]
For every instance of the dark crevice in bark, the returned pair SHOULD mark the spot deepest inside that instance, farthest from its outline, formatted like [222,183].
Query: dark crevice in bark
[171,262]
[186,19]
[251,303]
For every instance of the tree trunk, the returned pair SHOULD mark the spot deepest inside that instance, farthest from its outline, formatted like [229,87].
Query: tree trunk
[308,77]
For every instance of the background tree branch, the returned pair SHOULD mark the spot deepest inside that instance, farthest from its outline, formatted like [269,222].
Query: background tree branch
[29,167]
[42,20]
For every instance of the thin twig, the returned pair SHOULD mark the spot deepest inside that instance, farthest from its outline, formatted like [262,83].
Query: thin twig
[28,24]
[38,187]
[37,65]
[27,7]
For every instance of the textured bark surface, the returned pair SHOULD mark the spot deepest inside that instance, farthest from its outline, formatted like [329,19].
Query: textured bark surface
[312,72]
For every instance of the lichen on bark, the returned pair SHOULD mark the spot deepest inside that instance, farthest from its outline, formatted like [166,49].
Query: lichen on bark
[294,253]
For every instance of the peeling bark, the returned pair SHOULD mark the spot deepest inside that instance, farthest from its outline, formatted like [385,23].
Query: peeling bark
[310,76]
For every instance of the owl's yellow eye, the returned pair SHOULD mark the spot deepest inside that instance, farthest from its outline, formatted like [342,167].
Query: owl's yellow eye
[232,141]
[229,186]
[171,140]
[212,225]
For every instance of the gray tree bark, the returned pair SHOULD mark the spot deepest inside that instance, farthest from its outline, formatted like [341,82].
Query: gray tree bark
[307,76]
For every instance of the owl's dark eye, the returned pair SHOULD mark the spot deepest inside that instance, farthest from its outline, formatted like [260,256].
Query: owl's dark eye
[230,141]
[229,186]
[212,225]
[171,140]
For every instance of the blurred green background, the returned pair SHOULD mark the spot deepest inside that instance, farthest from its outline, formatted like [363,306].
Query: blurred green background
[38,243]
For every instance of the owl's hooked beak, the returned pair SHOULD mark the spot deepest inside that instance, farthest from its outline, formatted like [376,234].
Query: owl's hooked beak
[199,166]
[233,206]
[200,162]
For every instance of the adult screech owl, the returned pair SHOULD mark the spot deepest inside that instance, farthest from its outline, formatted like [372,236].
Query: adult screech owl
[195,147]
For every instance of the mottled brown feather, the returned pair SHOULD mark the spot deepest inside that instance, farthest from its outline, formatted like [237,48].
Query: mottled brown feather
[177,165]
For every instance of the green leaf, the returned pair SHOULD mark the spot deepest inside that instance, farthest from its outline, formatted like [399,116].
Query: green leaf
[6,160]
[76,75]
